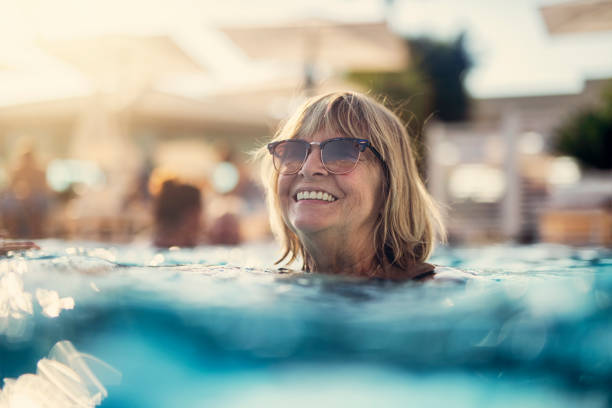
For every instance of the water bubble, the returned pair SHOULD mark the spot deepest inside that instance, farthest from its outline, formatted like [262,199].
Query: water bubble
[18,265]
[51,303]
[157,260]
[11,289]
[102,253]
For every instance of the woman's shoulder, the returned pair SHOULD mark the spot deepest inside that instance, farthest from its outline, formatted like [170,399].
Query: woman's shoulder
[423,272]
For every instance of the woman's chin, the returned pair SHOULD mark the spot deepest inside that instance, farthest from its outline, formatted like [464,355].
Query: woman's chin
[309,225]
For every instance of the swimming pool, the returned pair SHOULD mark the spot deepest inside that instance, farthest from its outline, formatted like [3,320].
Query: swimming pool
[222,327]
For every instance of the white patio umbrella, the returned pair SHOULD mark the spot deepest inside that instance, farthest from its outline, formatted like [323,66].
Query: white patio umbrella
[324,45]
[124,66]
[119,71]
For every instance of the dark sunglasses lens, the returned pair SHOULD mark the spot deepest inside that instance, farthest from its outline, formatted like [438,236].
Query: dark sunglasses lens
[289,156]
[340,156]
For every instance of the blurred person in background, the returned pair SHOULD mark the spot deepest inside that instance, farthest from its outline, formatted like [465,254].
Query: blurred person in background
[232,200]
[25,203]
[225,230]
[138,193]
[177,215]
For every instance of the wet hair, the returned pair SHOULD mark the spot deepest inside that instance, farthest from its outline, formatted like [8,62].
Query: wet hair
[409,223]
[174,200]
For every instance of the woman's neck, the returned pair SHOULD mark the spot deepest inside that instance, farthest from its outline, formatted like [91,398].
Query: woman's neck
[341,256]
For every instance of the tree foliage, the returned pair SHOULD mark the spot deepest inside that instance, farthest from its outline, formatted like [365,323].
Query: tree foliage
[403,91]
[444,66]
[588,135]
[432,85]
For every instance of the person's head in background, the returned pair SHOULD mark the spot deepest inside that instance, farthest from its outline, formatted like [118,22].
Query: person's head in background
[225,230]
[177,215]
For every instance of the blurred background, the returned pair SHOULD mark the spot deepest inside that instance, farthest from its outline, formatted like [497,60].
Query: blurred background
[510,104]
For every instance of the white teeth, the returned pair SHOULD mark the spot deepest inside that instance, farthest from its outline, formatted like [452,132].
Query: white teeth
[315,195]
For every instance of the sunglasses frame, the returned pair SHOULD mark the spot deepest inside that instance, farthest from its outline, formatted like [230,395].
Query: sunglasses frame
[362,145]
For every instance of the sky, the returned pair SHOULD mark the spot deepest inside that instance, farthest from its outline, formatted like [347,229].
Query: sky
[513,53]
[512,50]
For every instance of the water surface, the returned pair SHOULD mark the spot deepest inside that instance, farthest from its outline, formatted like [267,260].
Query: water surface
[224,327]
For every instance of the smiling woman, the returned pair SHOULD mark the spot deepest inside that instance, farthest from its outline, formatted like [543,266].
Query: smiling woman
[344,192]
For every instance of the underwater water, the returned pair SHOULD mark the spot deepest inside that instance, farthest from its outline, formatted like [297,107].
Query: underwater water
[223,327]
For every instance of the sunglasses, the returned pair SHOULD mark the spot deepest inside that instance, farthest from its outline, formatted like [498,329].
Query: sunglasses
[338,155]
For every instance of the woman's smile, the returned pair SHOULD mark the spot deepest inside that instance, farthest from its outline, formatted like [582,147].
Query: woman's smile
[315,195]
[312,207]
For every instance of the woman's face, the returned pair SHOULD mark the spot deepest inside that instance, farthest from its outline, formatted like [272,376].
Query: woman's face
[356,197]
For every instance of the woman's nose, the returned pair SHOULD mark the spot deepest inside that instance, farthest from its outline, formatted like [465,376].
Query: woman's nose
[312,165]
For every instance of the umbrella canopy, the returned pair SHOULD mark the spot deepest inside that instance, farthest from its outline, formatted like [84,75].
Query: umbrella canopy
[276,100]
[29,75]
[115,61]
[578,16]
[121,71]
[341,46]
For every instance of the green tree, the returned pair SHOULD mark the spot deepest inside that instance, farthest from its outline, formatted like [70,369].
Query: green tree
[444,66]
[588,135]
[403,91]
[431,86]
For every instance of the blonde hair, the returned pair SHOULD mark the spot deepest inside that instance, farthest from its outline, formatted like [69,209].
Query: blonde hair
[409,223]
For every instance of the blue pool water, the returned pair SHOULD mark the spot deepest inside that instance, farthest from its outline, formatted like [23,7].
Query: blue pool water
[221,327]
